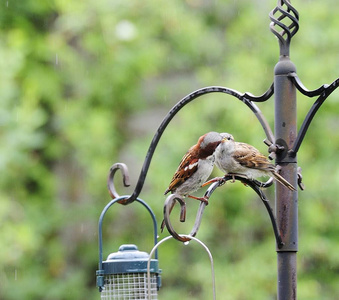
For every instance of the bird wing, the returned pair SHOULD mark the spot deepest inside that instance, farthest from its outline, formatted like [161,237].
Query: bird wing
[187,167]
[250,157]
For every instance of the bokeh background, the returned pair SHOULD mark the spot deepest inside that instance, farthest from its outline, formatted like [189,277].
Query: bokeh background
[85,84]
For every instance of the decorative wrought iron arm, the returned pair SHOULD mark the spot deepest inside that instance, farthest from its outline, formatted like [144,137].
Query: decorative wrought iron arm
[323,92]
[246,98]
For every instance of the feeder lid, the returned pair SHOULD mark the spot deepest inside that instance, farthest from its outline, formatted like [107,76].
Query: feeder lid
[128,252]
[129,260]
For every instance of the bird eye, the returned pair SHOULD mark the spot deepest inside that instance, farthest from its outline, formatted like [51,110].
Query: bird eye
[228,137]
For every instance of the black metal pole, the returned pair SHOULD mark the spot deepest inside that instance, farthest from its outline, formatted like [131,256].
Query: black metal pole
[285,25]
[286,200]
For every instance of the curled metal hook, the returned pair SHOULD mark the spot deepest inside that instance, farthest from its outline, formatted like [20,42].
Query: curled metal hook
[110,180]
[168,206]
[300,179]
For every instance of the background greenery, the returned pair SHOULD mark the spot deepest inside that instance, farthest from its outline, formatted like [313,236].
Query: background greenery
[85,84]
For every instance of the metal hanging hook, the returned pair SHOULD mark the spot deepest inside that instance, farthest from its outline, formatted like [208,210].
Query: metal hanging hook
[168,206]
[110,180]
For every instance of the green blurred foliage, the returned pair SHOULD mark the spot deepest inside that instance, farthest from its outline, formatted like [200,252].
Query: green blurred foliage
[85,84]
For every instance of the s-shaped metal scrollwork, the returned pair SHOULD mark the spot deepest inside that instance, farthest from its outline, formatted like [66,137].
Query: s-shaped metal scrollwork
[323,92]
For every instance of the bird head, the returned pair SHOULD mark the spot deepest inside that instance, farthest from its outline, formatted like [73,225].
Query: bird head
[226,137]
[208,143]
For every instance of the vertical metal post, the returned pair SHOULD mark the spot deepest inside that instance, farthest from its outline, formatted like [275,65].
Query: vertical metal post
[284,25]
[286,200]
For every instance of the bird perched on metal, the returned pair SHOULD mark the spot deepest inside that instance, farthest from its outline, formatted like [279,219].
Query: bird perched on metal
[243,159]
[195,167]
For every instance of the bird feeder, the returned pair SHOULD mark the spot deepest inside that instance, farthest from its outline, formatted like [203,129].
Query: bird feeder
[124,274]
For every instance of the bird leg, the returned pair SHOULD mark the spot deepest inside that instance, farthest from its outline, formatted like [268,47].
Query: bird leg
[202,199]
[221,181]
[239,175]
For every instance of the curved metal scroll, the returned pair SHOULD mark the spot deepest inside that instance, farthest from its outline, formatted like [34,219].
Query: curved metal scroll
[323,92]
[254,184]
[246,98]
[110,180]
[169,203]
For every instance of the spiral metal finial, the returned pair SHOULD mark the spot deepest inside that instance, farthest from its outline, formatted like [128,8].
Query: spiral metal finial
[284,25]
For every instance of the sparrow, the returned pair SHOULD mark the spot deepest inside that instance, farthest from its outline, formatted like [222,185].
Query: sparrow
[195,167]
[243,159]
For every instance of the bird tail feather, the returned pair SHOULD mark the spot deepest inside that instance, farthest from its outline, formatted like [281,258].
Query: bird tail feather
[283,181]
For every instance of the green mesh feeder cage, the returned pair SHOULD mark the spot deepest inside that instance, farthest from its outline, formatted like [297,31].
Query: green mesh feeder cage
[123,275]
